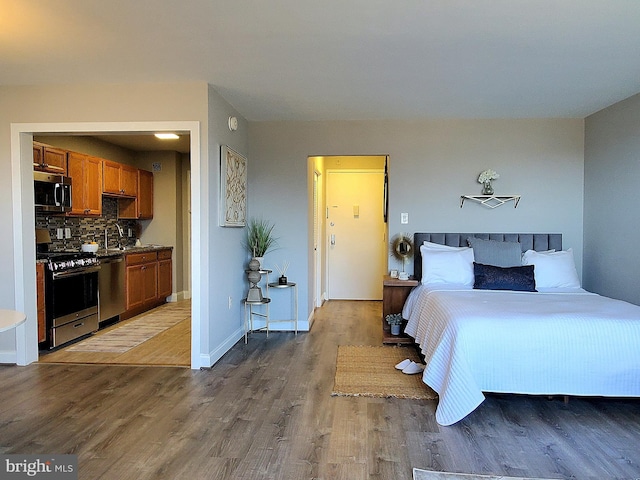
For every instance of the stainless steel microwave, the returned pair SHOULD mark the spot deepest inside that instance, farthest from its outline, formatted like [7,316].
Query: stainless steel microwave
[52,193]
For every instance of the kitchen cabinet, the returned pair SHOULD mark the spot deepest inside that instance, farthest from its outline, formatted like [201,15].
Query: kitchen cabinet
[141,280]
[41,309]
[86,184]
[140,207]
[145,194]
[49,159]
[165,285]
[119,179]
[148,280]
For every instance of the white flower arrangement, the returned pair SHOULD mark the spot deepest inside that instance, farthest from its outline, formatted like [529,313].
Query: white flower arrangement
[487,176]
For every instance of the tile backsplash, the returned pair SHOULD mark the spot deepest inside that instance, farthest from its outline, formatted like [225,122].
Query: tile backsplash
[88,229]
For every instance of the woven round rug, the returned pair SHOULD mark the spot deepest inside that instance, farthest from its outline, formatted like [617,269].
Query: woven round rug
[368,371]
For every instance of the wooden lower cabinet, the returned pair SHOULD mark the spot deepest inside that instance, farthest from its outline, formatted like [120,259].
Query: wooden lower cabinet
[165,268]
[42,323]
[147,281]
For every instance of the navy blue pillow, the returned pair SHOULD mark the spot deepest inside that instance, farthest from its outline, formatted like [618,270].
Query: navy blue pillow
[490,277]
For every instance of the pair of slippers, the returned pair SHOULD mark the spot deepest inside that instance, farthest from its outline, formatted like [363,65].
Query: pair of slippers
[410,367]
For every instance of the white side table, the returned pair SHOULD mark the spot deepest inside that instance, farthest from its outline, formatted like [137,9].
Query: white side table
[10,319]
[294,292]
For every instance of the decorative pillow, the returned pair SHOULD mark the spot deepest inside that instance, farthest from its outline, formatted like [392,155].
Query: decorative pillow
[490,277]
[493,252]
[447,266]
[439,246]
[553,269]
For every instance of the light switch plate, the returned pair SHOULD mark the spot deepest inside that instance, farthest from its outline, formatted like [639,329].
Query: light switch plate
[404,218]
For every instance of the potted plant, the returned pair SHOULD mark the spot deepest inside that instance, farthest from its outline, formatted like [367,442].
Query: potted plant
[260,238]
[394,320]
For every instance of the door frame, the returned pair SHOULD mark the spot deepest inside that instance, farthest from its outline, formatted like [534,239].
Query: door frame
[24,260]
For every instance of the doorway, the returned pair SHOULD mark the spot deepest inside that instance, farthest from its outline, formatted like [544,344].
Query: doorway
[350,255]
[22,137]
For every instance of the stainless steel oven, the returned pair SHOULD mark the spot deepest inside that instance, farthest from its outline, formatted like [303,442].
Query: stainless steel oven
[71,286]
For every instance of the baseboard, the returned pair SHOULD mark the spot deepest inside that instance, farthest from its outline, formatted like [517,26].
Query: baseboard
[217,353]
[179,296]
[8,357]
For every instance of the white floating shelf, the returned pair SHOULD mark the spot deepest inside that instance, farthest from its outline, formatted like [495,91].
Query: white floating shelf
[491,201]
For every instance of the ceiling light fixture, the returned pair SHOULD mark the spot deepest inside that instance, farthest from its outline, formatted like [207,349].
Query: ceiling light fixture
[167,136]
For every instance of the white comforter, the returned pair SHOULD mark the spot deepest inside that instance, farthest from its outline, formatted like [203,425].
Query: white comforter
[567,342]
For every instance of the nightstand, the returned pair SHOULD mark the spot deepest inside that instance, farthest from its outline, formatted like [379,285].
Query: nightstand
[394,294]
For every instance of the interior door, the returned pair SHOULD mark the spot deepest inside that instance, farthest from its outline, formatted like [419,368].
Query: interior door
[356,234]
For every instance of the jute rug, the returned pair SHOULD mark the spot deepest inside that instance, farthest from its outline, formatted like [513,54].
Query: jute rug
[142,328]
[419,474]
[368,371]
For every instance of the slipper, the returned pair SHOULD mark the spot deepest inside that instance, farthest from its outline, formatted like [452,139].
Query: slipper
[413,368]
[403,364]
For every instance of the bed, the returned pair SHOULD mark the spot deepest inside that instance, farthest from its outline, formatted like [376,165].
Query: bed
[528,327]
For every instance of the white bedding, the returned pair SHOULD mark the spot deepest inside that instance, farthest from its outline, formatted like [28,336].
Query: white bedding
[568,342]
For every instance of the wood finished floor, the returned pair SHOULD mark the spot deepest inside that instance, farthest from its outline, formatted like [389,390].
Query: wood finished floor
[264,411]
[170,348]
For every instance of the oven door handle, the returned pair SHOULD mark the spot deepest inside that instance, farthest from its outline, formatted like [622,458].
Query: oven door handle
[75,273]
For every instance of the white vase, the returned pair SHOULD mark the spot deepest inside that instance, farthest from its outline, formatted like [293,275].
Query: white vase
[260,260]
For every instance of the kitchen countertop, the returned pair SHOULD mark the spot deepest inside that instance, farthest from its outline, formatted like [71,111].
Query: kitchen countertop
[102,253]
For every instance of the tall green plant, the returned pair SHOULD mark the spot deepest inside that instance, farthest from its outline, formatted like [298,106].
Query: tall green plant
[260,237]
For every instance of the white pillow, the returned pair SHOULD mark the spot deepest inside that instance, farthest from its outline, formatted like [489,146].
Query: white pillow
[553,269]
[440,247]
[447,266]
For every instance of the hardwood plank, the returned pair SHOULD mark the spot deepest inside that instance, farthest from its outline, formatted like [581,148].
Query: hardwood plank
[265,411]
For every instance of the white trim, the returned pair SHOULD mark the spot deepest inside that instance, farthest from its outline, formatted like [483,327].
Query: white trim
[208,360]
[24,218]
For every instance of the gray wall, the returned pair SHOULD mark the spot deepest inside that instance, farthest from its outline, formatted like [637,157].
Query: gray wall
[431,163]
[612,213]
[123,104]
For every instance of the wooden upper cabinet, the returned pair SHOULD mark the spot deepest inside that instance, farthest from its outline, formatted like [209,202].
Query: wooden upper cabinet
[49,159]
[140,207]
[145,194]
[86,184]
[129,181]
[119,179]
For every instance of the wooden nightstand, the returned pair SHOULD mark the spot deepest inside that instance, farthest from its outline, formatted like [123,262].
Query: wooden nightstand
[394,294]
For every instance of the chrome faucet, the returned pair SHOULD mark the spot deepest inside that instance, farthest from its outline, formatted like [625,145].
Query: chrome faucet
[121,233]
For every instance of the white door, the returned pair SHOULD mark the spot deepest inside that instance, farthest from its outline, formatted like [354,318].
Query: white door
[356,242]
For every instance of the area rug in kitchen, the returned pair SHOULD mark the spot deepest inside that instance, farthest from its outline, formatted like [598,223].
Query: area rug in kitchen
[369,371]
[135,332]
[419,474]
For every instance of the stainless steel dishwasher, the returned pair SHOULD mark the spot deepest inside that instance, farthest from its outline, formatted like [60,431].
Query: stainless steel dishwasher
[111,296]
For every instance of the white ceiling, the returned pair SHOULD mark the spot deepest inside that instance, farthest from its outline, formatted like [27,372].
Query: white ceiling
[340,59]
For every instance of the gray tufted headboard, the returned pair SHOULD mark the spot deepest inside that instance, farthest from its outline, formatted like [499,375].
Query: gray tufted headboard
[529,241]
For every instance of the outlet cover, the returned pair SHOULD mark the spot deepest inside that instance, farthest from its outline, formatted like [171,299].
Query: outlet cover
[404,218]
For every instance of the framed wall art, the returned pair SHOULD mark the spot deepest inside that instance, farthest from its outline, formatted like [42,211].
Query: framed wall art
[233,188]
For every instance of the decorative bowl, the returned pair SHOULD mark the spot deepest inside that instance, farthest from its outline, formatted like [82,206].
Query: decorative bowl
[89,247]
